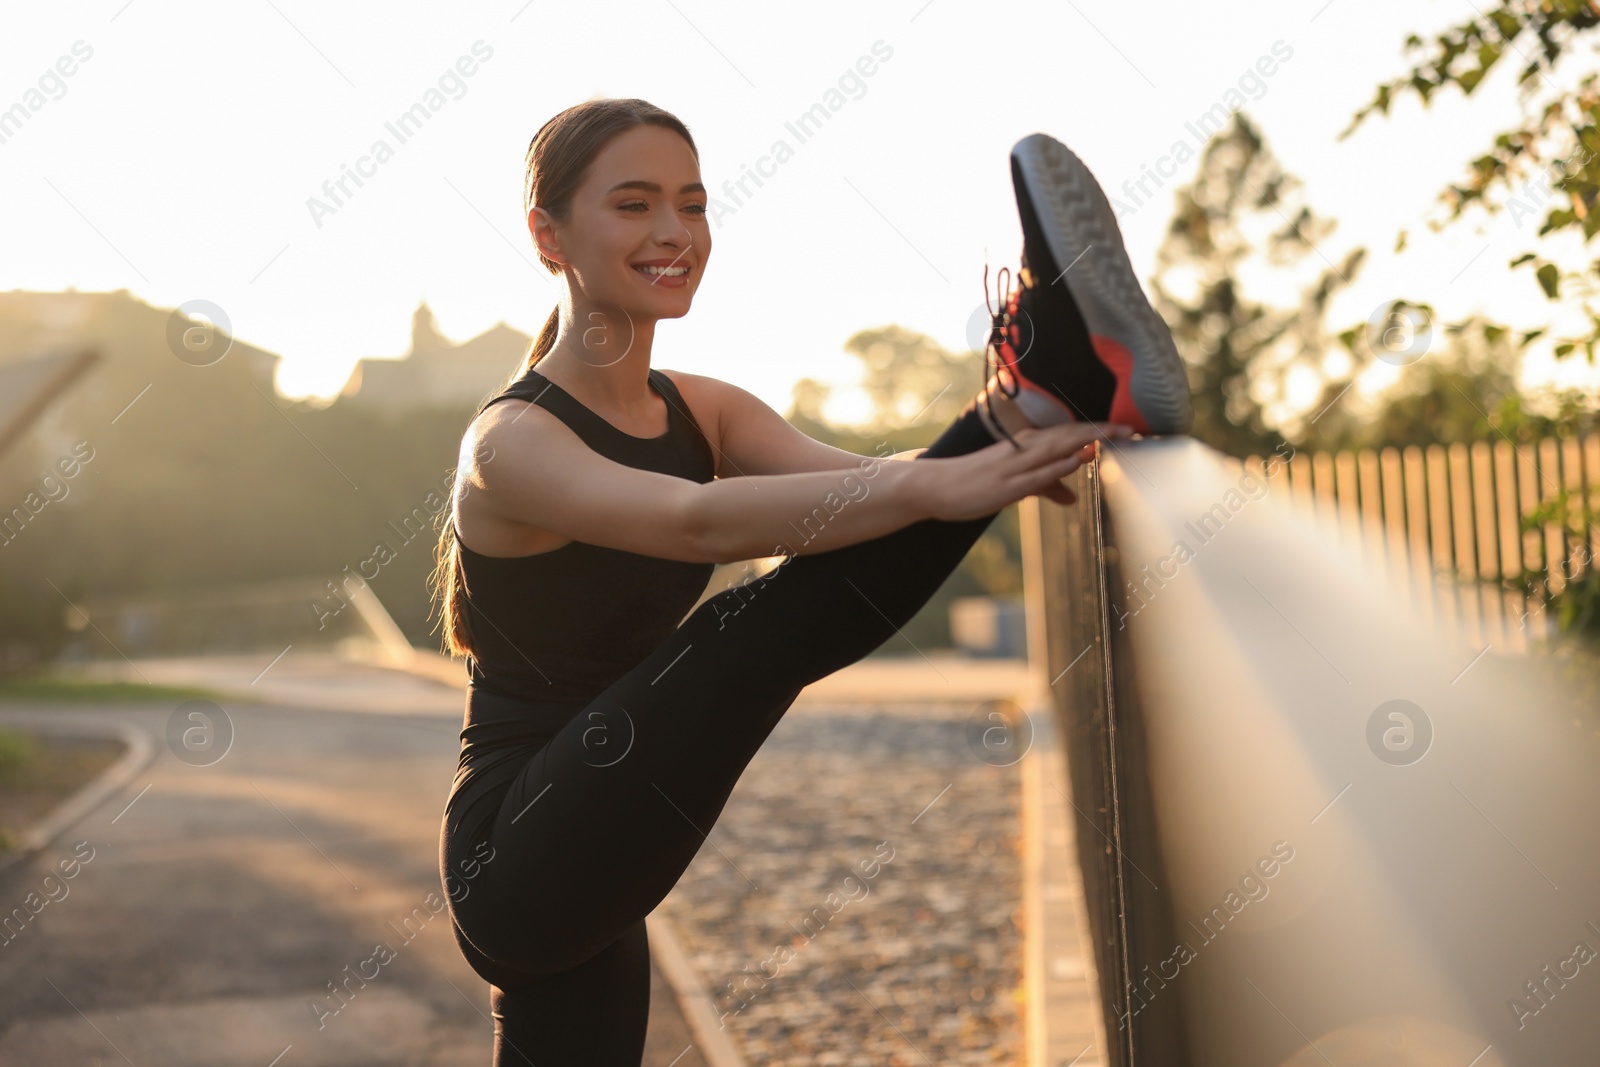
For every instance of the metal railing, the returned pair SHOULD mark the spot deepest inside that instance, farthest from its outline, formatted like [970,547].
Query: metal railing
[1312,827]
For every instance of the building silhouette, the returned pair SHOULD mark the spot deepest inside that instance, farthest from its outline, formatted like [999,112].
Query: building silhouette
[437,372]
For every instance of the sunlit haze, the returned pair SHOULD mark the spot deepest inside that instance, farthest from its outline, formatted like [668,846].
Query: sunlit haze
[187,156]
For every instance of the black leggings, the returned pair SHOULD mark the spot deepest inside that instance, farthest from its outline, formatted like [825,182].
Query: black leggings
[552,871]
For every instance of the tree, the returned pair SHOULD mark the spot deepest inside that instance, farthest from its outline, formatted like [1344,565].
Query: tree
[1552,155]
[1464,391]
[917,387]
[911,379]
[1244,212]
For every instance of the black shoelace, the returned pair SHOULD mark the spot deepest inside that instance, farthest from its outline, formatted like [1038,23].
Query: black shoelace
[999,333]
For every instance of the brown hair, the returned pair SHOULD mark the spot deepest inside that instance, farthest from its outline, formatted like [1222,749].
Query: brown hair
[558,158]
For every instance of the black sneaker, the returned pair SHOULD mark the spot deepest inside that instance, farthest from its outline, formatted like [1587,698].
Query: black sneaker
[1078,340]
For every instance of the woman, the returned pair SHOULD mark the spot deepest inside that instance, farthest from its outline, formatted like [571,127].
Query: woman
[604,730]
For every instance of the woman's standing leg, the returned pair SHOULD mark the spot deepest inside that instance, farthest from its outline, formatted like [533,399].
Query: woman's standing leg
[595,1013]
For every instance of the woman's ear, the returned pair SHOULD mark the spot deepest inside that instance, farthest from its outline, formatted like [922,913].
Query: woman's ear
[545,237]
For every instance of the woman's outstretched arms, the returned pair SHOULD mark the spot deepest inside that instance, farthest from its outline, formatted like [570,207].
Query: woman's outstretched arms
[522,468]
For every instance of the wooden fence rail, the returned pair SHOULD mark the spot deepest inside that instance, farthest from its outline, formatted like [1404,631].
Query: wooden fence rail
[1447,520]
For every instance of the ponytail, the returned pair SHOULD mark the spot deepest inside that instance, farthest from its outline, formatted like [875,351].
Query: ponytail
[546,339]
[447,582]
[449,586]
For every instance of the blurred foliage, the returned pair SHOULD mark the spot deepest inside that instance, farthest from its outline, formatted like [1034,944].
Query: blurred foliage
[1550,158]
[911,380]
[1548,162]
[208,479]
[1464,389]
[1242,210]
[1576,603]
[917,388]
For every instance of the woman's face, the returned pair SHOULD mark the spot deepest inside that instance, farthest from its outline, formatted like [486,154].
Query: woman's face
[636,235]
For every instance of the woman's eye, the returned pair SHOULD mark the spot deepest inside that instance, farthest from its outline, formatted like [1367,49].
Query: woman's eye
[630,205]
[697,209]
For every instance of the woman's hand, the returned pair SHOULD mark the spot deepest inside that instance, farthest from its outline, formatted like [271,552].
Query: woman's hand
[982,482]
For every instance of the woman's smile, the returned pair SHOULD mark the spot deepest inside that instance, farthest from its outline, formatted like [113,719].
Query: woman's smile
[666,273]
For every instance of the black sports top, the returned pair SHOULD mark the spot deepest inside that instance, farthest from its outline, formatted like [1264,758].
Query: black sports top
[554,629]
[560,626]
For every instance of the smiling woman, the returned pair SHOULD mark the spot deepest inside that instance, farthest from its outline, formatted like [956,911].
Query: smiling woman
[672,273]
[610,711]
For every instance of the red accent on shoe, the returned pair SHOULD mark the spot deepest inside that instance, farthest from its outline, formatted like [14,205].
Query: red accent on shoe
[1119,361]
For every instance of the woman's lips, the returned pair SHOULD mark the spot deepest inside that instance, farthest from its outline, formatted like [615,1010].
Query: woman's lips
[664,276]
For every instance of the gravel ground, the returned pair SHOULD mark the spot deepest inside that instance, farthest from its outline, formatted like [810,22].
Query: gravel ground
[859,900]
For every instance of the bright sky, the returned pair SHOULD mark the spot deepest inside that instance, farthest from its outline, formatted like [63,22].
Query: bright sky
[178,159]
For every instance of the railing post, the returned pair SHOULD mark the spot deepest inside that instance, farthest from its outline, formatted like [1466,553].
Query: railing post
[1081,592]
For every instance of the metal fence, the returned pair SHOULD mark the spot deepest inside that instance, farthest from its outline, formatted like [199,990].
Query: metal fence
[1231,678]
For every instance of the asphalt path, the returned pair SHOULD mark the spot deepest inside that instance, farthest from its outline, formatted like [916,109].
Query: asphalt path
[206,913]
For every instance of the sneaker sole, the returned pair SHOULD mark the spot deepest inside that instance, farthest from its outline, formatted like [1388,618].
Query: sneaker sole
[1078,221]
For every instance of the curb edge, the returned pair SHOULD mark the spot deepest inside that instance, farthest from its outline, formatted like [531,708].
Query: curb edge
[141,751]
[715,1043]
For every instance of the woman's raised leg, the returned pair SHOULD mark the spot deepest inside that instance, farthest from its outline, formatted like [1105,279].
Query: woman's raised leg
[604,819]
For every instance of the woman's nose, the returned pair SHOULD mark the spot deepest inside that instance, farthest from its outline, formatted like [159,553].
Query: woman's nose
[674,233]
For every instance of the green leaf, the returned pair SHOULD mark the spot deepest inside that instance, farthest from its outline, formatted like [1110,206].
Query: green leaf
[1520,260]
[1506,23]
[1549,280]
[1564,349]
[1485,165]
[1558,220]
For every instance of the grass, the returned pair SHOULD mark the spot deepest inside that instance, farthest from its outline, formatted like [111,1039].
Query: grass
[37,773]
[16,752]
[90,691]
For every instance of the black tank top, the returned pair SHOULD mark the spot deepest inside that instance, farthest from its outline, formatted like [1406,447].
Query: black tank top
[560,626]
[554,629]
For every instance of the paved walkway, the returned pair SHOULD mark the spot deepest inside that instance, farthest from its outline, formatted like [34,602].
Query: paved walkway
[216,904]
[868,838]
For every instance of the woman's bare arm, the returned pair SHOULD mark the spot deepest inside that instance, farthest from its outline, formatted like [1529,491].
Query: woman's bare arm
[527,467]
[519,464]
[749,437]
